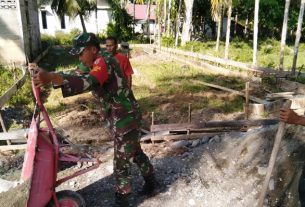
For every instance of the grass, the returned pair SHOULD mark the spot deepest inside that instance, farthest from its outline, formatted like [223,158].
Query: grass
[167,87]
[241,50]
[170,82]
[166,79]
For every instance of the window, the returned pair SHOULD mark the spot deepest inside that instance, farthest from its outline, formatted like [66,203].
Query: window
[44,19]
[62,22]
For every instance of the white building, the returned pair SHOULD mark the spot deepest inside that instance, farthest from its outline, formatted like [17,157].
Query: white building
[19,34]
[50,23]
[139,13]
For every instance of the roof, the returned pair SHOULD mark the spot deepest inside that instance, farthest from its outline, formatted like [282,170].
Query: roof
[141,10]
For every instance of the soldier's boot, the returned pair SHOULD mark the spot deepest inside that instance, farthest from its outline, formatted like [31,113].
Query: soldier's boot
[149,186]
[122,200]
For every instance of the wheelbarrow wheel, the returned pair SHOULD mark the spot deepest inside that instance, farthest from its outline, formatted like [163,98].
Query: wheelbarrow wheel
[68,198]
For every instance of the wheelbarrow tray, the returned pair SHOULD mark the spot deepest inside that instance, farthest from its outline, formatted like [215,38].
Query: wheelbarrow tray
[39,166]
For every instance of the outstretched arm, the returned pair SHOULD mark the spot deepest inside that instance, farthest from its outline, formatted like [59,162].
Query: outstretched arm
[290,117]
[70,84]
[42,77]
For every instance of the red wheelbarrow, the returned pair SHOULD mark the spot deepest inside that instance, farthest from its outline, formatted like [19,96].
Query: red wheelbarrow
[41,161]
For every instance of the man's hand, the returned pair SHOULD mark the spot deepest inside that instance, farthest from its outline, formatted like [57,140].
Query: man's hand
[42,77]
[289,116]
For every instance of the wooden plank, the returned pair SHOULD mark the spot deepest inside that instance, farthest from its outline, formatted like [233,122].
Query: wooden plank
[14,134]
[148,137]
[245,66]
[241,123]
[13,147]
[252,98]
[212,124]
[185,137]
[213,68]
[282,95]
[222,61]
[181,126]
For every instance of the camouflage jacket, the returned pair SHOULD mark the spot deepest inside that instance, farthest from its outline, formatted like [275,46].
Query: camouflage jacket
[108,85]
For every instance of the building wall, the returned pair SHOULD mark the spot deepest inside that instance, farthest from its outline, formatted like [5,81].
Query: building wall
[11,43]
[19,34]
[140,27]
[96,23]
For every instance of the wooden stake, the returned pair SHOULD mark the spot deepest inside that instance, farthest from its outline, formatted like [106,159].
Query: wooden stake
[190,113]
[247,101]
[153,123]
[4,128]
[152,118]
[277,143]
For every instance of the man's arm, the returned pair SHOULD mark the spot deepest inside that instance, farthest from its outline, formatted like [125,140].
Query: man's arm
[129,81]
[42,77]
[129,71]
[70,84]
[290,117]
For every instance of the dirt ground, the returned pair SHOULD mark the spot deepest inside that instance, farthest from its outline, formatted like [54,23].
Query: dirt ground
[223,171]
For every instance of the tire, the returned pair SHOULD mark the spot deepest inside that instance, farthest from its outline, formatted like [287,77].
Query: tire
[68,198]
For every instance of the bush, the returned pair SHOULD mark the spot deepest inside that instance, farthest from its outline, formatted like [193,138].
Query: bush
[74,32]
[167,41]
[63,38]
[120,33]
[23,96]
[139,38]
[48,40]
[60,38]
[194,46]
[102,36]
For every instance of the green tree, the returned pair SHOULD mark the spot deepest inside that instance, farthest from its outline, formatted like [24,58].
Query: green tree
[188,15]
[121,28]
[298,37]
[284,34]
[74,8]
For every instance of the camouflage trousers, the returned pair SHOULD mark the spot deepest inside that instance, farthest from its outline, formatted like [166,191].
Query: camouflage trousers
[127,150]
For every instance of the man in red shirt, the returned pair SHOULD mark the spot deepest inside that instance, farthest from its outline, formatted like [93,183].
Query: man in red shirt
[111,47]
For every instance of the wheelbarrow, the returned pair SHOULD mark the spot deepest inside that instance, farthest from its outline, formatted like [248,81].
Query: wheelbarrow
[41,163]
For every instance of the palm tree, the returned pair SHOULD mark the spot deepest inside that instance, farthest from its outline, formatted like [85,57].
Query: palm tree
[216,10]
[177,23]
[164,13]
[229,14]
[158,13]
[74,8]
[255,32]
[284,34]
[169,17]
[148,19]
[186,35]
[298,37]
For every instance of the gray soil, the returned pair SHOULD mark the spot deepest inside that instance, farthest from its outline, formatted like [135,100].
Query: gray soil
[223,171]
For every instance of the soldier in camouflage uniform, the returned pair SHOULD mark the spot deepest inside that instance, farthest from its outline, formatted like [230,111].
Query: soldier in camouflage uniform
[120,109]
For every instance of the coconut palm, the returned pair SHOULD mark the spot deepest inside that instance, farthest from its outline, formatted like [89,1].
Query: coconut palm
[186,31]
[169,18]
[74,8]
[177,23]
[298,37]
[216,10]
[228,32]
[148,19]
[284,34]
[255,38]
